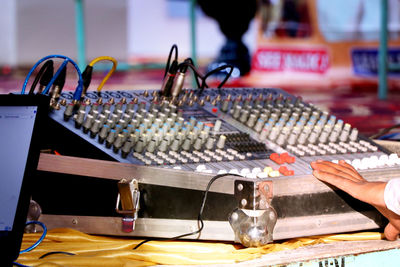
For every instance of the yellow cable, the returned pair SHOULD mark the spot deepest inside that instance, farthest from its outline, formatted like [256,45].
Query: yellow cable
[113,60]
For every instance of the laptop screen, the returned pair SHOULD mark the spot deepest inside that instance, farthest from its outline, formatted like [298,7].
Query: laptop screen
[16,124]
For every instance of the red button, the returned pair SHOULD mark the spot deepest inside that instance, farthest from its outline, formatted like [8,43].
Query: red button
[214,110]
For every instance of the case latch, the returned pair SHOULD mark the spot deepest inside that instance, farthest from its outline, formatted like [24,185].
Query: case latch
[128,199]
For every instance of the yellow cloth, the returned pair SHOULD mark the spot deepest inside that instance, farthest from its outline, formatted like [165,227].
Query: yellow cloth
[94,250]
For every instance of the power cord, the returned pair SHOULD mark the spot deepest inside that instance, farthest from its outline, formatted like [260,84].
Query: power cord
[199,217]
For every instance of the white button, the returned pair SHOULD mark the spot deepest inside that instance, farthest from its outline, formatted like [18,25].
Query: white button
[201,167]
[251,175]
[234,171]
[256,170]
[262,175]
[244,171]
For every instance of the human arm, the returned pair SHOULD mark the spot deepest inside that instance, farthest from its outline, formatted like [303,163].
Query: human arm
[346,178]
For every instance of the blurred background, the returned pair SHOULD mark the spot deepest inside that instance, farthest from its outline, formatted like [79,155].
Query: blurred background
[324,51]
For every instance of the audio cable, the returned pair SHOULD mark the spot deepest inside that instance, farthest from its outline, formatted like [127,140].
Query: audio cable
[199,217]
[87,73]
[79,88]
[174,75]
[43,77]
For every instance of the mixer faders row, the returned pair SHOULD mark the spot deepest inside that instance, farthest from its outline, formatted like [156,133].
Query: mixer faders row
[253,132]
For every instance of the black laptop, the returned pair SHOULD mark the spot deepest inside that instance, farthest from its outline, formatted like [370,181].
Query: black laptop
[21,119]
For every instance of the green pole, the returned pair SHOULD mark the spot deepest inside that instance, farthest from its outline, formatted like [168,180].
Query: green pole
[193,35]
[383,48]
[80,33]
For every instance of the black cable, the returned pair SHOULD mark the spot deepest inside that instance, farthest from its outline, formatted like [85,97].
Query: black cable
[173,48]
[384,131]
[44,75]
[56,252]
[216,70]
[199,219]
[87,78]
[60,80]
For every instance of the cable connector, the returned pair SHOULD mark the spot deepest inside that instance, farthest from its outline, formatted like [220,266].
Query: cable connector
[180,77]
[87,78]
[169,79]
[58,85]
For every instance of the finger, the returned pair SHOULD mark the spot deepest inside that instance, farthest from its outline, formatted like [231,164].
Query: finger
[344,184]
[333,168]
[350,168]
[344,168]
[391,232]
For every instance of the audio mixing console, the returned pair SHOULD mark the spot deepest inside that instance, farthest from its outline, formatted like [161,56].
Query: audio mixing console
[178,145]
[256,133]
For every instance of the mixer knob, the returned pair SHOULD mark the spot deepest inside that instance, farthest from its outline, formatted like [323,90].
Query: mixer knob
[118,142]
[126,149]
[139,146]
[186,144]
[142,105]
[265,131]
[175,145]
[110,138]
[87,123]
[68,111]
[236,111]
[353,134]
[252,120]
[244,114]
[293,136]
[225,105]
[313,137]
[79,118]
[130,106]
[221,141]
[151,146]
[210,143]
[103,133]
[198,143]
[274,133]
[217,126]
[95,128]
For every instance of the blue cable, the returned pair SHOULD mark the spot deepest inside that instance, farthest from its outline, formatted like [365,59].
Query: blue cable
[40,239]
[79,88]
[389,136]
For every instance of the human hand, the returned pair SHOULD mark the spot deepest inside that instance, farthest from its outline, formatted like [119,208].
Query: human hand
[346,178]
